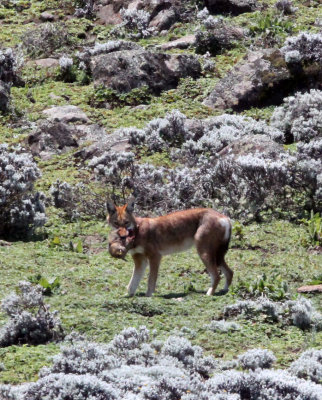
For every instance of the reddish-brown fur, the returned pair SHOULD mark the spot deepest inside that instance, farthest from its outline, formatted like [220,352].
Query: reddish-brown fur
[205,228]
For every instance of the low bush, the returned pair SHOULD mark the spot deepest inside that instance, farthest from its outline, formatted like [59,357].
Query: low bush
[30,320]
[308,366]
[22,209]
[256,358]
[303,48]
[300,118]
[132,367]
[45,39]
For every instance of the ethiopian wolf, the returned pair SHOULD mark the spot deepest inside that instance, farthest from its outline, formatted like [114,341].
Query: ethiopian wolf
[148,239]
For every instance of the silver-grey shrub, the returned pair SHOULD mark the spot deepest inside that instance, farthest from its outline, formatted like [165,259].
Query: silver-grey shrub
[223,326]
[303,48]
[30,320]
[300,116]
[45,39]
[102,371]
[308,365]
[21,208]
[256,358]
[300,312]
[136,23]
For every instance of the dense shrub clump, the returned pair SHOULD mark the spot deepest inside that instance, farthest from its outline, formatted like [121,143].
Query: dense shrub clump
[308,366]
[300,312]
[300,116]
[256,358]
[132,367]
[45,39]
[207,168]
[21,209]
[30,319]
[303,48]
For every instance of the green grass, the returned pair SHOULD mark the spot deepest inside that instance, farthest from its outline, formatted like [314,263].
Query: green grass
[92,295]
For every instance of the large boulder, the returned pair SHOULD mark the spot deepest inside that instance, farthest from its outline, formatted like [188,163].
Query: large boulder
[4,96]
[56,137]
[260,76]
[66,114]
[233,7]
[127,70]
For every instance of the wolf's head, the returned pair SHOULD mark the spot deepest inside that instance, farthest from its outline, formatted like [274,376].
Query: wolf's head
[121,217]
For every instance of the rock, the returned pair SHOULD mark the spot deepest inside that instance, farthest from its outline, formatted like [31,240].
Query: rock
[127,70]
[217,39]
[233,7]
[116,141]
[4,96]
[258,79]
[181,43]
[51,138]
[46,17]
[310,289]
[66,114]
[46,62]
[106,15]
[164,19]
[252,144]
[55,137]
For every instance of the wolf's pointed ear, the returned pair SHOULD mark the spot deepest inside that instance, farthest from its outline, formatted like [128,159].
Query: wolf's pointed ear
[110,206]
[130,204]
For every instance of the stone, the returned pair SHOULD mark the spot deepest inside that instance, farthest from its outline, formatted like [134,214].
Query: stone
[234,7]
[127,70]
[181,43]
[55,137]
[46,62]
[4,96]
[46,17]
[66,114]
[106,15]
[115,142]
[164,19]
[51,138]
[310,289]
[258,79]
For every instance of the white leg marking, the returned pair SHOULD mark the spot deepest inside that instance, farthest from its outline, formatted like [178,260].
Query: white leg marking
[136,278]
[210,291]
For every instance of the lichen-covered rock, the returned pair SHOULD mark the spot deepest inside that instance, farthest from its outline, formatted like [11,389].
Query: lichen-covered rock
[4,96]
[234,7]
[214,40]
[255,80]
[66,114]
[55,137]
[127,70]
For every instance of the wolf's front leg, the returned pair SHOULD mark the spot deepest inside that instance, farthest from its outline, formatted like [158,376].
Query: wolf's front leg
[140,263]
[154,262]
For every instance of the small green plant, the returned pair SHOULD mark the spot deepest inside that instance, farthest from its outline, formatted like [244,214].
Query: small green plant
[314,230]
[270,24]
[238,234]
[273,287]
[135,97]
[49,285]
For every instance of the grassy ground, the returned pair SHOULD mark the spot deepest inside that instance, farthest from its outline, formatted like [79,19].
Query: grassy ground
[92,300]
